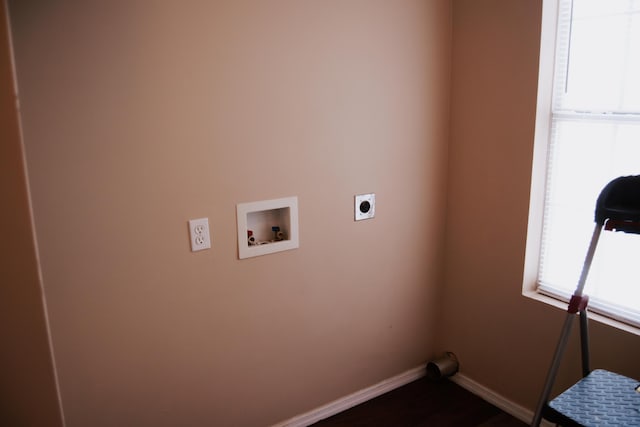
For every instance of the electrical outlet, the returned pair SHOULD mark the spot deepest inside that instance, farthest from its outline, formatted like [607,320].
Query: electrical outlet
[199,232]
[365,206]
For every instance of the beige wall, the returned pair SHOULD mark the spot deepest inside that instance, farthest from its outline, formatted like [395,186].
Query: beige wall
[26,369]
[139,116]
[504,340]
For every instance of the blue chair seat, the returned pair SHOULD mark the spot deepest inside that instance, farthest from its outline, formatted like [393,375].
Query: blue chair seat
[601,399]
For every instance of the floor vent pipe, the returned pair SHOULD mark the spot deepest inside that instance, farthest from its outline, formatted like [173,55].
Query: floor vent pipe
[443,367]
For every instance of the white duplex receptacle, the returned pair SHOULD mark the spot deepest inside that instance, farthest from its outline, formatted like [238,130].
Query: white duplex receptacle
[365,206]
[199,233]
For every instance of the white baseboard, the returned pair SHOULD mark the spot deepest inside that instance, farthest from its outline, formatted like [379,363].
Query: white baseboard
[513,409]
[361,396]
[354,399]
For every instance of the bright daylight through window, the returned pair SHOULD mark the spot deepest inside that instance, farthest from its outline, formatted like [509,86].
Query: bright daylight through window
[594,136]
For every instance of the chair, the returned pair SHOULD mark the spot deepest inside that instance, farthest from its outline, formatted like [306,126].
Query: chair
[600,398]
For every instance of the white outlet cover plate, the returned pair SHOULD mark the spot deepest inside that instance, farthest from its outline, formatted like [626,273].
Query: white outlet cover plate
[365,206]
[199,234]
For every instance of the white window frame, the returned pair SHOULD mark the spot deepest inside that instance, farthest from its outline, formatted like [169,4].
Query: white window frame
[539,172]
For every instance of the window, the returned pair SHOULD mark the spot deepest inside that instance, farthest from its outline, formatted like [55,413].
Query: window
[593,136]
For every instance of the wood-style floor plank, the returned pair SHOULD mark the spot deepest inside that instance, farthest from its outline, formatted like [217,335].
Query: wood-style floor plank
[424,403]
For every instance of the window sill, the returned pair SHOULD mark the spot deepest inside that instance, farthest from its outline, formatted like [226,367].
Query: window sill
[534,295]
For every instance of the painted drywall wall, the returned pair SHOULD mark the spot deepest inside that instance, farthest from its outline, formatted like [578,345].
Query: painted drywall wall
[504,340]
[28,379]
[138,116]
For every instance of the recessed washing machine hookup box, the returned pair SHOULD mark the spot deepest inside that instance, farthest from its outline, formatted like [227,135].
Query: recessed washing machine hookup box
[267,226]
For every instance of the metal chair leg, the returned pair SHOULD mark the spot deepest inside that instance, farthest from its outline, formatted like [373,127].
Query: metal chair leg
[566,329]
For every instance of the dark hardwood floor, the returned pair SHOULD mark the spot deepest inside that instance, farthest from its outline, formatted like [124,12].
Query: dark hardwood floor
[424,403]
